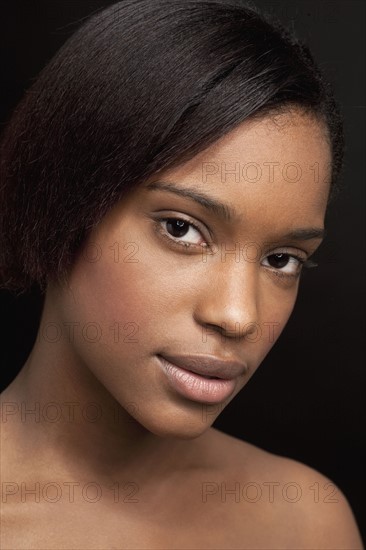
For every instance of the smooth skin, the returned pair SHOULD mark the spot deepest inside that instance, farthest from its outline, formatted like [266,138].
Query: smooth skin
[104,411]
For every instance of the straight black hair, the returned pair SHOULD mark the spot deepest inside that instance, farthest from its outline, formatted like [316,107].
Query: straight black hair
[142,86]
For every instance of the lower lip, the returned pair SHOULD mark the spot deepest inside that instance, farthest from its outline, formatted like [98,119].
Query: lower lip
[196,387]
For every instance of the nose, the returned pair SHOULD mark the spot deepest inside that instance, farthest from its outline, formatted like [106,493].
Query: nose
[229,301]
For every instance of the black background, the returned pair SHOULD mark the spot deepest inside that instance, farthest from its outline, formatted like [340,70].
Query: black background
[306,401]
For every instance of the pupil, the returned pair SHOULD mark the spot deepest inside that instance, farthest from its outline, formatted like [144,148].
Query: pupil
[280,260]
[177,226]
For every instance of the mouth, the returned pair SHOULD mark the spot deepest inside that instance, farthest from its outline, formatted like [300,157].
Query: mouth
[202,388]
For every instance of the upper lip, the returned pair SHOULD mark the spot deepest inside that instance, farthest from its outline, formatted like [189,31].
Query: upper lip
[208,365]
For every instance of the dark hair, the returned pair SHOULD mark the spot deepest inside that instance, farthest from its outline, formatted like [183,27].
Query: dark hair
[142,86]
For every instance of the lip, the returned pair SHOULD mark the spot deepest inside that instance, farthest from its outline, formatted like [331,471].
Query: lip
[208,365]
[193,385]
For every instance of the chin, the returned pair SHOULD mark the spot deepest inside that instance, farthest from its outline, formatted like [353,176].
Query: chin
[178,424]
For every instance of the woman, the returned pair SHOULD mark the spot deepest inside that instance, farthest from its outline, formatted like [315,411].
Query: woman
[158,185]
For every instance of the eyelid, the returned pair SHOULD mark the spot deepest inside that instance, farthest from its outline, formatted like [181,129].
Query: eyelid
[197,224]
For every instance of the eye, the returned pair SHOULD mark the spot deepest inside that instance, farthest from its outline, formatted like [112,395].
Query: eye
[181,232]
[286,265]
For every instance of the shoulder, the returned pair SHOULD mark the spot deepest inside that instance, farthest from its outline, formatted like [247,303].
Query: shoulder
[324,511]
[309,505]
[324,514]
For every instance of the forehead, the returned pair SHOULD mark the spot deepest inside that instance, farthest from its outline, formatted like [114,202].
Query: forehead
[283,158]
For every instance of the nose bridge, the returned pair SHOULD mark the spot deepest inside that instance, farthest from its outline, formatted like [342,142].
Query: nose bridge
[230,296]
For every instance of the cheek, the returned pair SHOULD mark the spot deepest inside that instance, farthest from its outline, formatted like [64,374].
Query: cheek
[113,298]
[121,304]
[109,303]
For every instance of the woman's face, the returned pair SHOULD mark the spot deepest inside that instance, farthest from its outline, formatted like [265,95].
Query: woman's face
[139,291]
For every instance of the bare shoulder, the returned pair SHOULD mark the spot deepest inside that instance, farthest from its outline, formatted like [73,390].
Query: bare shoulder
[312,509]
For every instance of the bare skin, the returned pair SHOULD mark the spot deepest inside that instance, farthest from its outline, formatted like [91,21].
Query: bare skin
[106,418]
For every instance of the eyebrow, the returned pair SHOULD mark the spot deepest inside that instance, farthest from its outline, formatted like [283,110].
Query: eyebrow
[219,208]
[228,213]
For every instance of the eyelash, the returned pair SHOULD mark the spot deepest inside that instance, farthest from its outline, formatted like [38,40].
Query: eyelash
[175,242]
